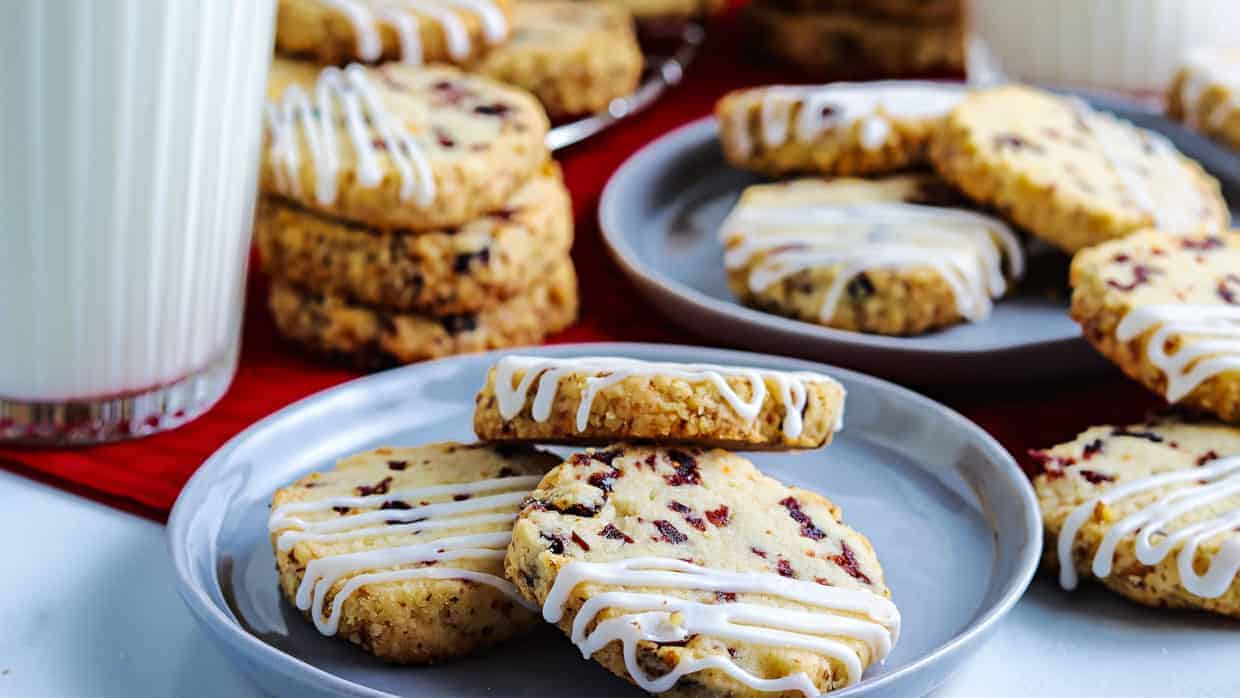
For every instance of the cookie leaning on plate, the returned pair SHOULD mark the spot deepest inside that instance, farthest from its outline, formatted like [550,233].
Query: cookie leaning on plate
[1151,510]
[690,573]
[576,56]
[1166,309]
[452,271]
[836,129]
[591,400]
[1072,176]
[398,147]
[896,256]
[372,31]
[1206,94]
[373,336]
[400,550]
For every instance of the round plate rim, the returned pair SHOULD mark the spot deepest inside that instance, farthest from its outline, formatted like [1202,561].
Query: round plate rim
[622,252]
[206,612]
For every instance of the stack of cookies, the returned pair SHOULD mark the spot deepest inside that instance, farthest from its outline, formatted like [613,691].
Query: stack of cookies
[674,564]
[885,37]
[410,213]
[905,251]
[576,56]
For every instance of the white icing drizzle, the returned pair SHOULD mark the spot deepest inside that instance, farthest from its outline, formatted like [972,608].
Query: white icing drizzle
[1119,141]
[1201,487]
[1206,69]
[962,246]
[655,617]
[838,105]
[362,110]
[363,16]
[603,372]
[370,566]
[1214,346]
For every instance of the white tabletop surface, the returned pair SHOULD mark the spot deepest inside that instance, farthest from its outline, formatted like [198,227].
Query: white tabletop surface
[89,609]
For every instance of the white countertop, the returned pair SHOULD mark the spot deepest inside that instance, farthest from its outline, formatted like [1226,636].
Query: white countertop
[89,609]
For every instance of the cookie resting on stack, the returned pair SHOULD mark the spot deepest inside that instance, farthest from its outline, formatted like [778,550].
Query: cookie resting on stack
[674,564]
[410,213]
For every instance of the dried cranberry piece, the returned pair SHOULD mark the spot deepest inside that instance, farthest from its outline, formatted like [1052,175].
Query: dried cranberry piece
[341,510]
[1147,435]
[1141,274]
[784,568]
[604,480]
[555,542]
[669,533]
[690,518]
[719,517]
[1016,142]
[492,109]
[580,543]
[442,137]
[848,562]
[808,529]
[1207,457]
[823,581]
[686,469]
[1092,449]
[397,464]
[1095,477]
[1052,466]
[395,504]
[1226,292]
[610,531]
[1210,242]
[759,553]
[607,456]
[380,487]
[725,596]
[460,497]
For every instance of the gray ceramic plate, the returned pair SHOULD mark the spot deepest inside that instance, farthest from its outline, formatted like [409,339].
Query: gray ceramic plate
[659,215]
[953,518]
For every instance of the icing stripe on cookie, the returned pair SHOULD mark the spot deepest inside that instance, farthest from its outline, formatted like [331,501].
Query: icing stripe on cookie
[323,573]
[963,247]
[400,14]
[365,117]
[838,105]
[1208,342]
[1194,488]
[603,372]
[855,614]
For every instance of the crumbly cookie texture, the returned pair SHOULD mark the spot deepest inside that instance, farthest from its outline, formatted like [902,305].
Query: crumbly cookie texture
[860,128]
[868,255]
[372,336]
[375,31]
[397,146]
[1205,94]
[461,270]
[824,43]
[1165,308]
[1190,464]
[710,509]
[592,400]
[1070,175]
[374,514]
[924,11]
[576,56]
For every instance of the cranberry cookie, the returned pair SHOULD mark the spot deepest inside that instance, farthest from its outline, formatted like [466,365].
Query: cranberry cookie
[400,550]
[373,31]
[398,147]
[1206,94]
[372,336]
[1151,510]
[575,56]
[1166,309]
[837,129]
[460,270]
[591,400]
[689,573]
[1072,176]
[893,256]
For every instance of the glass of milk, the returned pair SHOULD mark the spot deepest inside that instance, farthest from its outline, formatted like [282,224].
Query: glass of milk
[129,143]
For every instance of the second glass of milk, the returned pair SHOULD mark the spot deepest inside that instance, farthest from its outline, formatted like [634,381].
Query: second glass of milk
[130,135]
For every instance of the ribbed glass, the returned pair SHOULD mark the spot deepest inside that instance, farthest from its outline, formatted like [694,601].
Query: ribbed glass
[130,133]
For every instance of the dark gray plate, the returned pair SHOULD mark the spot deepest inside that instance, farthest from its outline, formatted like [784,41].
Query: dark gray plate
[660,212]
[952,517]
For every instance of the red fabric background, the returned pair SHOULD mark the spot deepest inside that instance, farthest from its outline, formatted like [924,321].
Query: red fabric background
[144,476]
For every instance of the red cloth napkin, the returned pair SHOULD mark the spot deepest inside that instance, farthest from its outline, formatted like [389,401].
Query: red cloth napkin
[145,476]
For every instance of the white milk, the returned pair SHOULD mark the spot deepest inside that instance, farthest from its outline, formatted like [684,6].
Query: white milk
[1132,45]
[129,140]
